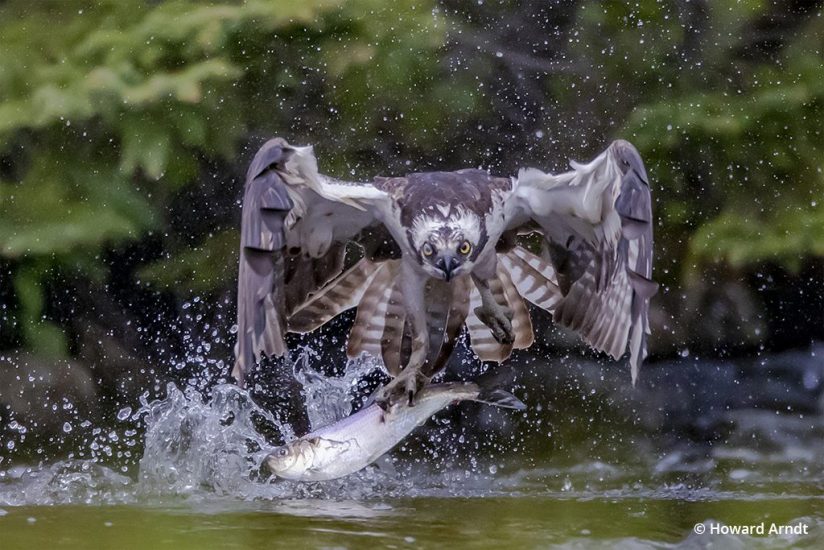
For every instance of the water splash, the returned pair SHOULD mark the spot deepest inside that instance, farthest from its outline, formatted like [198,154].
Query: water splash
[194,445]
[199,448]
[64,482]
[329,398]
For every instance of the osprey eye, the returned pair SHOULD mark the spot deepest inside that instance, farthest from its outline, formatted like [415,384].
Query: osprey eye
[427,249]
[465,248]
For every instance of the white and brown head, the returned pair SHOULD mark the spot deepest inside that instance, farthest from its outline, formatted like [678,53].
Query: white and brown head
[446,241]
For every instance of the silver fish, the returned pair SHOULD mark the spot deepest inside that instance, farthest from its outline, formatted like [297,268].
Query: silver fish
[356,441]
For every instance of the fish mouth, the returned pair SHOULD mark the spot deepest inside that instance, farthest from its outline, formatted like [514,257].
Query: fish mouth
[271,464]
[279,461]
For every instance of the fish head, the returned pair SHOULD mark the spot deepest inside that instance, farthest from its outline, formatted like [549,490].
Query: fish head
[292,460]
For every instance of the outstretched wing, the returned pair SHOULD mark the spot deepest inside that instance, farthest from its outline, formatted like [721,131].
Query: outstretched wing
[295,226]
[597,225]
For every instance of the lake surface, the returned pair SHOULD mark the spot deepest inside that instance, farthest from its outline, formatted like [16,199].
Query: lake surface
[430,522]
[473,477]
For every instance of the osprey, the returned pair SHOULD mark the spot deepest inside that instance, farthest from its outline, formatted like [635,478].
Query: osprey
[439,251]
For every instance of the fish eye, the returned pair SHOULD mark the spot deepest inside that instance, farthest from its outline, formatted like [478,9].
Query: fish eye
[283,452]
[427,250]
[465,248]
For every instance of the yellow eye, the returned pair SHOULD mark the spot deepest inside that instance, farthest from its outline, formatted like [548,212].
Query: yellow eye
[465,248]
[427,249]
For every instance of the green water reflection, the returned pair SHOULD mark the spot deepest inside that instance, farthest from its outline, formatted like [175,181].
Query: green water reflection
[428,522]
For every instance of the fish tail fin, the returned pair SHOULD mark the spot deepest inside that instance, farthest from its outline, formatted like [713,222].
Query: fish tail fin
[499,398]
[490,389]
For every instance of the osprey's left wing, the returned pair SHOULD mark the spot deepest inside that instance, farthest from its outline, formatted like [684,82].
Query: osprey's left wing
[288,205]
[597,225]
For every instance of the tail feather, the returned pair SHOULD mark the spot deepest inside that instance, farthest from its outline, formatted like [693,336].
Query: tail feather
[534,277]
[342,293]
[380,324]
[367,331]
[521,322]
[438,295]
[480,337]
[393,330]
[506,292]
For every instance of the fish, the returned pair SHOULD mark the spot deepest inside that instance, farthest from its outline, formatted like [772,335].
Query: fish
[356,441]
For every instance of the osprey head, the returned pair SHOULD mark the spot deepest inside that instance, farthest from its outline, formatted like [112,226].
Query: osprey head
[446,245]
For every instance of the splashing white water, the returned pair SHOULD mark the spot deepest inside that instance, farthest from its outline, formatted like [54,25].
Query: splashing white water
[64,482]
[192,444]
[329,398]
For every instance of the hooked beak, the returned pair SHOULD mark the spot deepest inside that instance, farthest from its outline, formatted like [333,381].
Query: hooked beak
[447,263]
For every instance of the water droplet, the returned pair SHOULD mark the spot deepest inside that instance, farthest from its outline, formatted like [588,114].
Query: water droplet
[67,427]
[124,413]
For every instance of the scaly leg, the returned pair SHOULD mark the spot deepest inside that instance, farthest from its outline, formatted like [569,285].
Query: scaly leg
[497,317]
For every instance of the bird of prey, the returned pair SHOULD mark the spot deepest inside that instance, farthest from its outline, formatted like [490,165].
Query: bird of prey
[439,251]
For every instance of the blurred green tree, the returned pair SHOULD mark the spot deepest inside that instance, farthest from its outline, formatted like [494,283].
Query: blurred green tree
[108,110]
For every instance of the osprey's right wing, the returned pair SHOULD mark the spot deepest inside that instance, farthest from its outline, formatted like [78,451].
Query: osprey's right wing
[295,226]
[597,225]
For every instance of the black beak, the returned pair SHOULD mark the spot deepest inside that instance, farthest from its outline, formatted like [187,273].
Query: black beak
[447,264]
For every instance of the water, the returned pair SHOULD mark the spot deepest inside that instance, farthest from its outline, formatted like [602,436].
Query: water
[474,477]
[402,523]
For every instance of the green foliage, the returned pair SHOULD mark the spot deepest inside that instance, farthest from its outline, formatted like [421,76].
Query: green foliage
[109,109]
[741,167]
[733,146]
